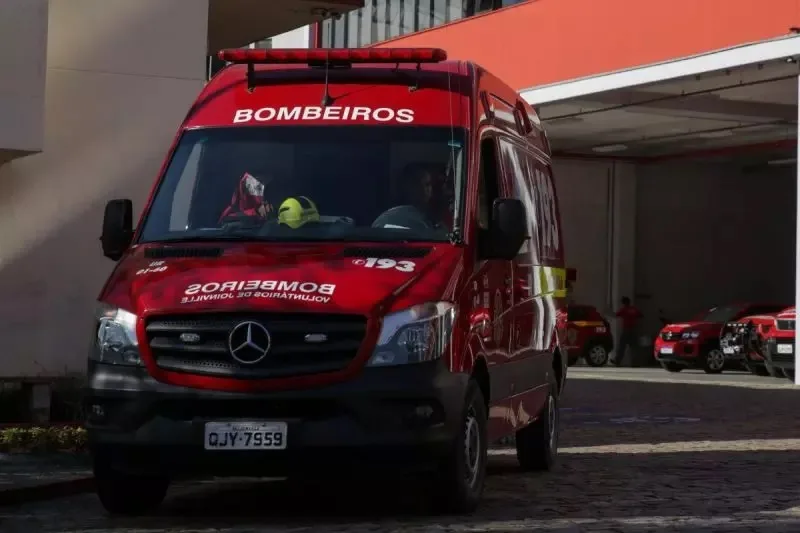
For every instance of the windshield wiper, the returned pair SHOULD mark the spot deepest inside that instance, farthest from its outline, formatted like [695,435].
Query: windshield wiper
[206,238]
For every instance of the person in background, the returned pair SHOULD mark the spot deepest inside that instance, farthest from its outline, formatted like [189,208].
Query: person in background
[630,316]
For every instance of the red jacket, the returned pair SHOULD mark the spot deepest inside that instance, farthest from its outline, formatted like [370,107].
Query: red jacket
[630,316]
[247,198]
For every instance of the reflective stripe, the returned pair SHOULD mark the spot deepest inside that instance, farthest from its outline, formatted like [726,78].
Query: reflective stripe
[586,324]
[553,281]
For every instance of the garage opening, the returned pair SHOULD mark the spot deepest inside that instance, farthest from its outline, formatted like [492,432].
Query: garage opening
[678,181]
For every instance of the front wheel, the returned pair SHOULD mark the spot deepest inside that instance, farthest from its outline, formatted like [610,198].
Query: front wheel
[125,494]
[714,361]
[537,444]
[596,355]
[463,472]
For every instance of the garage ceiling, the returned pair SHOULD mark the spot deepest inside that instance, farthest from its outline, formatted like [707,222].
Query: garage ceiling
[754,105]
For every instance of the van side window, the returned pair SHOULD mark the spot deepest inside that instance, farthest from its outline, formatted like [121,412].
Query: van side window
[488,190]
[549,200]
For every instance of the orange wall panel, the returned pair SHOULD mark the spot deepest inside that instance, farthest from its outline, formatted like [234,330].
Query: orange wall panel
[547,41]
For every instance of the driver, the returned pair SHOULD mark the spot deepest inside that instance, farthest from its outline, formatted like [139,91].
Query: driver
[422,188]
[248,199]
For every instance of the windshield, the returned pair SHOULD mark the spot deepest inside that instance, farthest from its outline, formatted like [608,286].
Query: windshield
[721,314]
[320,183]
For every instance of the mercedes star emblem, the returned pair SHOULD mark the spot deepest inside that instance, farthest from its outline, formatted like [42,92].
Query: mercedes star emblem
[249,342]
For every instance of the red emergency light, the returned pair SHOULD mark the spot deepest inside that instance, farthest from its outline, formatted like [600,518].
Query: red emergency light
[287,56]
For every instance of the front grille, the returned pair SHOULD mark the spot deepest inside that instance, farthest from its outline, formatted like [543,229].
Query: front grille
[198,344]
[786,325]
[273,408]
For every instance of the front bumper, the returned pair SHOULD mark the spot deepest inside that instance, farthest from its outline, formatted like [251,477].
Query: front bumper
[780,353]
[403,416]
[684,353]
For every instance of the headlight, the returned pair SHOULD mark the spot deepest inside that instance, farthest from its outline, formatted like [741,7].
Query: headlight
[690,334]
[115,339]
[420,333]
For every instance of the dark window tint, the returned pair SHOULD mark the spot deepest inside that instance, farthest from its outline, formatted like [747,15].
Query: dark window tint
[351,182]
[488,183]
[763,309]
[722,314]
[379,20]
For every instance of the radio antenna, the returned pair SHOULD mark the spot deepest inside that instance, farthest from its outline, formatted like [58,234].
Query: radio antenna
[326,95]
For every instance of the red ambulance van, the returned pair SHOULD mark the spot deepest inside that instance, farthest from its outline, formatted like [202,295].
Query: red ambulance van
[351,259]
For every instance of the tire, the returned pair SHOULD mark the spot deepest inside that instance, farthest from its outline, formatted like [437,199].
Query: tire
[671,367]
[462,473]
[537,444]
[596,355]
[713,361]
[124,494]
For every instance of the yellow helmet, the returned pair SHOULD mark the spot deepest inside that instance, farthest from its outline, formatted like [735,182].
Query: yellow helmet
[294,212]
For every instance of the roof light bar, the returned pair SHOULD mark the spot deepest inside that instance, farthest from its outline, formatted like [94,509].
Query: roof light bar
[287,56]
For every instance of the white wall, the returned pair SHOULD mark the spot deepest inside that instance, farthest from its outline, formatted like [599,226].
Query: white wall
[121,75]
[22,82]
[298,38]
[710,234]
[584,189]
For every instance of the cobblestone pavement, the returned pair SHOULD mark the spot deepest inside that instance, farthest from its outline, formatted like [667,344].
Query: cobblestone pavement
[18,471]
[636,457]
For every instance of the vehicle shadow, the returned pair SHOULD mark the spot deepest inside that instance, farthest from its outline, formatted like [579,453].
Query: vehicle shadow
[629,493]
[636,457]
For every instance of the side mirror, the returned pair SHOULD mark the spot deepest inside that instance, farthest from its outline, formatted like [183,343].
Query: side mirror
[117,228]
[508,231]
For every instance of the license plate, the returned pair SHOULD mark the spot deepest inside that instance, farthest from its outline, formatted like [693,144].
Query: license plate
[666,350]
[728,351]
[785,348]
[245,436]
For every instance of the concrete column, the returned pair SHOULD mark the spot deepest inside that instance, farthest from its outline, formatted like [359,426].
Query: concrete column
[23,51]
[121,76]
[622,234]
[797,254]
[621,238]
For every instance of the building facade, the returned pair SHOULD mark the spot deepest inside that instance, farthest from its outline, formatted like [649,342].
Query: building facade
[380,20]
[88,111]
[91,95]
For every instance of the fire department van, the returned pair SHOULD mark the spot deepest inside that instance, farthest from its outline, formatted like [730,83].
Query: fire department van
[351,261]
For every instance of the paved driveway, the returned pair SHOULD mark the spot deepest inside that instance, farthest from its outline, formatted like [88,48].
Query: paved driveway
[651,452]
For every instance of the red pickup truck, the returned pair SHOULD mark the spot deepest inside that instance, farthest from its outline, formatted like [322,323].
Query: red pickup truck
[696,343]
